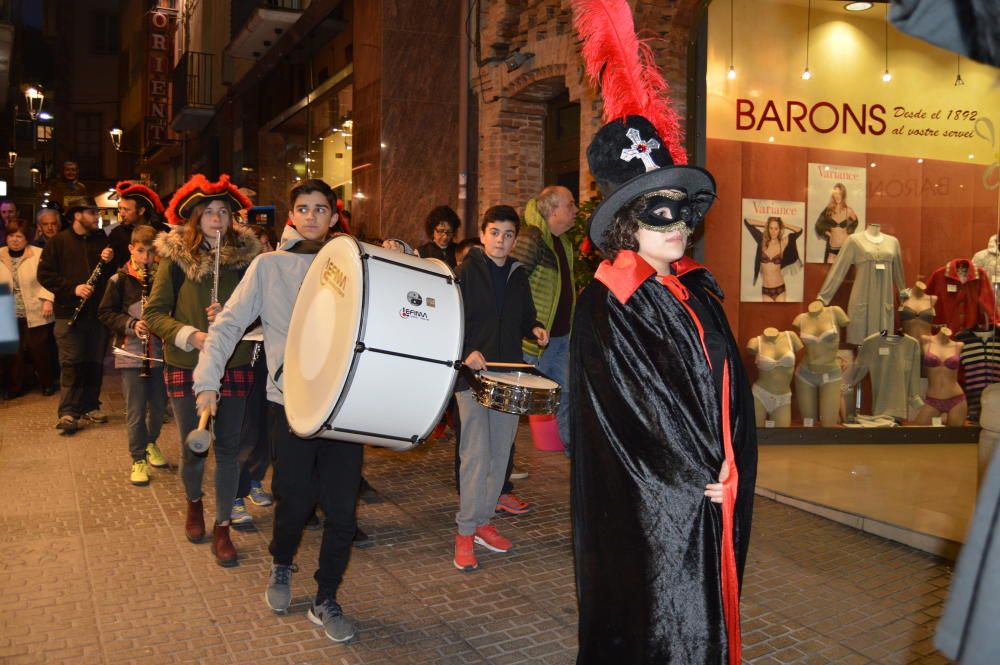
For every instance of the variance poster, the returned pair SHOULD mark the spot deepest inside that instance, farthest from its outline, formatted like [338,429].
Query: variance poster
[772,250]
[836,197]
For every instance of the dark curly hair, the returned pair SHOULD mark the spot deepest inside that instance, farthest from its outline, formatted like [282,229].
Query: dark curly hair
[622,232]
[438,215]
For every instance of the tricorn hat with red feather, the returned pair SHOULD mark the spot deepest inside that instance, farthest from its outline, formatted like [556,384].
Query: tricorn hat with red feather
[638,151]
[200,189]
[141,194]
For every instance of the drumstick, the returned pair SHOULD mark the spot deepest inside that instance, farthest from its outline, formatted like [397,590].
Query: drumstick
[508,365]
[200,439]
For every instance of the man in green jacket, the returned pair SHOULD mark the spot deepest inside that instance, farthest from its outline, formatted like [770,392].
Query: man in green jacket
[546,252]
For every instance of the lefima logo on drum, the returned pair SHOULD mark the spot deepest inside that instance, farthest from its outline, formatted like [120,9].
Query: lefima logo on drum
[333,277]
[407,313]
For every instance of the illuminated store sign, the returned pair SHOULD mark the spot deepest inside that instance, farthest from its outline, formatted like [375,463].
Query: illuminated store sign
[845,104]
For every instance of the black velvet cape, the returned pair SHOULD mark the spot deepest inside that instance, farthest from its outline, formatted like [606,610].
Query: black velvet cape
[647,437]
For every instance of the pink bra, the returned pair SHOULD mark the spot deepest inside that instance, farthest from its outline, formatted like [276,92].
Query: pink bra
[951,362]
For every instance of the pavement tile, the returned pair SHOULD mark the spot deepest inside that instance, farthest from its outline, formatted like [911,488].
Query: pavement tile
[95,570]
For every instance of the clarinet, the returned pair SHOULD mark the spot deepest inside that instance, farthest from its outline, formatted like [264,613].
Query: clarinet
[91,281]
[147,339]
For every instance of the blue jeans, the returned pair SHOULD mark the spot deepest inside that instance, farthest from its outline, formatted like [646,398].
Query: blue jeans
[554,363]
[145,403]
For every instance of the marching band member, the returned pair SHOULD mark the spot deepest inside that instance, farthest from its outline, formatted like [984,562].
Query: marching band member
[73,268]
[121,312]
[304,469]
[179,311]
[499,313]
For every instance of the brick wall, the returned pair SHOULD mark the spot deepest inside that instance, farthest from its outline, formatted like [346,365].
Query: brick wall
[512,105]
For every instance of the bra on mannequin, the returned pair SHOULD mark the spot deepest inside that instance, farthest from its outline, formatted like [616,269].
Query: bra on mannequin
[823,338]
[907,314]
[787,360]
[951,362]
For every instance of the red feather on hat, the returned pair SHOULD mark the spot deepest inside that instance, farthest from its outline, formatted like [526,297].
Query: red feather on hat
[624,68]
[126,188]
[200,184]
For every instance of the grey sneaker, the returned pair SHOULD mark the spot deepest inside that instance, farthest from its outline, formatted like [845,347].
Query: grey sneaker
[96,416]
[329,615]
[279,588]
[240,517]
[67,424]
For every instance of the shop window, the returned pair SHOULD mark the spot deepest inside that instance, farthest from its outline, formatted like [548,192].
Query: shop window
[856,198]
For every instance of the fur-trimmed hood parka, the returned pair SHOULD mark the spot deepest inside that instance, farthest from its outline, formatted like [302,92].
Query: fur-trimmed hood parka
[182,291]
[235,257]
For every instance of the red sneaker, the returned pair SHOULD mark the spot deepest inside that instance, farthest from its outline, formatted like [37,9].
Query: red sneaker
[465,558]
[509,503]
[488,537]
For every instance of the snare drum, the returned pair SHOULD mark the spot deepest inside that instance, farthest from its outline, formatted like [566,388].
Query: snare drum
[373,346]
[522,393]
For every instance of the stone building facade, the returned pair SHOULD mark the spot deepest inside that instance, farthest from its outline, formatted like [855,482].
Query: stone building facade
[512,105]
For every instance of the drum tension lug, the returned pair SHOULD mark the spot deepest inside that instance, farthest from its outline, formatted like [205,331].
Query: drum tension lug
[457,364]
[360,347]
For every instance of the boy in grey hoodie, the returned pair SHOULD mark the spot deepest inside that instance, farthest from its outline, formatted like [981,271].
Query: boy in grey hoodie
[305,470]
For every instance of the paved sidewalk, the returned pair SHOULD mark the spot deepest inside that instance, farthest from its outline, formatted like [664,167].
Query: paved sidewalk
[94,570]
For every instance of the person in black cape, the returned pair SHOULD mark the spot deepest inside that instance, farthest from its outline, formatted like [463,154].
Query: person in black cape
[663,474]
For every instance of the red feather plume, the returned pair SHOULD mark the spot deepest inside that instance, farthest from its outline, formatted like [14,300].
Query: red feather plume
[126,188]
[200,184]
[624,68]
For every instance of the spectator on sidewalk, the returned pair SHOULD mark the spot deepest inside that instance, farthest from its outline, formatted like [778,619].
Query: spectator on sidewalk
[33,311]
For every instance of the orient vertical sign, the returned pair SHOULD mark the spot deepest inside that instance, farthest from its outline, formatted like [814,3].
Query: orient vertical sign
[158,66]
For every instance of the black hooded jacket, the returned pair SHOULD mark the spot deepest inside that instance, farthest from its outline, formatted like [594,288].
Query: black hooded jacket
[495,334]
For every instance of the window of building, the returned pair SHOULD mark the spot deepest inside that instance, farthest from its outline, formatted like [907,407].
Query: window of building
[106,40]
[87,150]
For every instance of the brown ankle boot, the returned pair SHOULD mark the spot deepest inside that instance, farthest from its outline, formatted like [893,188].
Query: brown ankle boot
[194,525]
[222,547]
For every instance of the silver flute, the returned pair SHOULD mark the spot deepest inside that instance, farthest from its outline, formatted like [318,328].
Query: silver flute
[218,260]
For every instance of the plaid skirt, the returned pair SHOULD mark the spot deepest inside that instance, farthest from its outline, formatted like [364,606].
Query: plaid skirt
[236,382]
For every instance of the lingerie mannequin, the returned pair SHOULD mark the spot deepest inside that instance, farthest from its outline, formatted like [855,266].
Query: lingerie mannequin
[916,311]
[772,392]
[878,267]
[818,379]
[944,395]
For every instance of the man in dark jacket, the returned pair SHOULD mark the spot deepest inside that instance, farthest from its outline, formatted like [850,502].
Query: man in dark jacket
[68,269]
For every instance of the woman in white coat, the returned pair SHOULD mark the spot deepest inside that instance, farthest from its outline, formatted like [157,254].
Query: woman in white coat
[33,309]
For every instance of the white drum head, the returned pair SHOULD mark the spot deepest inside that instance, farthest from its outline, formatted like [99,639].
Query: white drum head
[322,334]
[523,379]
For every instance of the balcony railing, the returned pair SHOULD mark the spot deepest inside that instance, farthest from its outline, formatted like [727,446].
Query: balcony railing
[192,81]
[192,90]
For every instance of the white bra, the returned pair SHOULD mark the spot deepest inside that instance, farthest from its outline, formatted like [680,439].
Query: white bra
[827,336]
[765,364]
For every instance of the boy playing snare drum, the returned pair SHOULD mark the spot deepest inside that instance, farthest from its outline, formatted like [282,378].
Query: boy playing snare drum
[499,312]
[305,470]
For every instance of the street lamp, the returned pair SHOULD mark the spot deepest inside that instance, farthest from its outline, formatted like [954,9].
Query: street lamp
[116,137]
[34,98]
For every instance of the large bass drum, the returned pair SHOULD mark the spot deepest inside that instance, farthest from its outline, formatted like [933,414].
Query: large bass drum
[373,346]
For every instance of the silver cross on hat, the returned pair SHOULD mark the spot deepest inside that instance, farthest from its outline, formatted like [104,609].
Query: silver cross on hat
[640,149]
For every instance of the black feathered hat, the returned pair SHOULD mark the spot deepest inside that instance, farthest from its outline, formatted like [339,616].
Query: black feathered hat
[628,159]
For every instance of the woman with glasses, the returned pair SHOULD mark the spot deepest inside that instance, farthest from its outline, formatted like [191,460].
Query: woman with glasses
[441,225]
